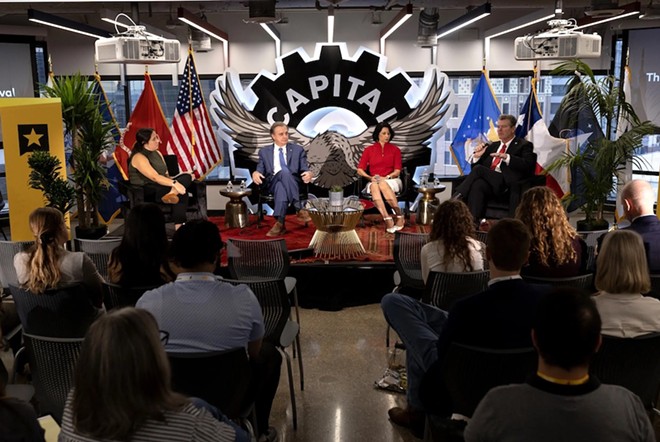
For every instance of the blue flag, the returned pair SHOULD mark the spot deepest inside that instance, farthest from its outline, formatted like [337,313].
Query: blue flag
[478,124]
[110,204]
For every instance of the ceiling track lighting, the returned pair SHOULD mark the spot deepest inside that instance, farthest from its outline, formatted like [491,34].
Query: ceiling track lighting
[472,16]
[66,24]
[628,10]
[404,14]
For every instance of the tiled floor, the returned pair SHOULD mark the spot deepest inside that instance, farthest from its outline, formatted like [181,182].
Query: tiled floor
[343,353]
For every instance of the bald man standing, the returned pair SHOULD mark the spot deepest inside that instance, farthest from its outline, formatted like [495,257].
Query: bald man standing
[637,198]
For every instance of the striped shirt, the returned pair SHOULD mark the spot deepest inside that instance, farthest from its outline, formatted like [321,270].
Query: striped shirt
[188,424]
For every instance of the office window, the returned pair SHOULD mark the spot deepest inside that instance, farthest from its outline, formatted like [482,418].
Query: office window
[506,86]
[454,112]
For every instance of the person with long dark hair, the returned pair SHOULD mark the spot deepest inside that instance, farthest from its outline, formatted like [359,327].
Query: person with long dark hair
[140,260]
[122,388]
[147,168]
[383,161]
[452,246]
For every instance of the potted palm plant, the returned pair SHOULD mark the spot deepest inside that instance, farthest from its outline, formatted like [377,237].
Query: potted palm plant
[45,176]
[90,135]
[602,159]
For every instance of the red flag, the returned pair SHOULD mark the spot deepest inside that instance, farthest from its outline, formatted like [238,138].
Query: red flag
[192,137]
[147,113]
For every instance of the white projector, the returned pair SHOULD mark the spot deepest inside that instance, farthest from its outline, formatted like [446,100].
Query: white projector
[137,49]
[557,46]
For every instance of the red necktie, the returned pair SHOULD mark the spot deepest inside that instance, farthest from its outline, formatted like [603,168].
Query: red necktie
[497,160]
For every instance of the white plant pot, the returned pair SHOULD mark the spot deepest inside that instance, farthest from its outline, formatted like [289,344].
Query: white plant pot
[336,198]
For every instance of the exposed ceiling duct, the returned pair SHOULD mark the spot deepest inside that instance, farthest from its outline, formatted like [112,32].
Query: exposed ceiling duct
[261,11]
[428,25]
[603,9]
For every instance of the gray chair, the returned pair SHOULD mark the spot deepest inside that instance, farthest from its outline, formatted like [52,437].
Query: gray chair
[279,329]
[52,364]
[633,363]
[265,259]
[116,296]
[585,282]
[8,249]
[444,288]
[99,251]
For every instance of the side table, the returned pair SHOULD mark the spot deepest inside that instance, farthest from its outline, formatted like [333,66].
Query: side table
[236,211]
[427,205]
[335,235]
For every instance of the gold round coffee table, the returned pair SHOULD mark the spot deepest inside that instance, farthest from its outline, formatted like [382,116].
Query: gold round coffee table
[236,211]
[335,235]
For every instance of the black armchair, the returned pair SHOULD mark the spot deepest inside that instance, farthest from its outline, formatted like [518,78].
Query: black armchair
[402,196]
[196,201]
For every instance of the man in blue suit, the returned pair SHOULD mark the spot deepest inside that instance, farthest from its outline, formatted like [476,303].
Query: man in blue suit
[637,198]
[281,168]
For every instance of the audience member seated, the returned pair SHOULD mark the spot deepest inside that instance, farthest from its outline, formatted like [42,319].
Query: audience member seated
[495,166]
[47,265]
[621,276]
[122,389]
[18,420]
[141,258]
[147,168]
[202,313]
[562,402]
[500,317]
[556,251]
[452,246]
[637,198]
[383,161]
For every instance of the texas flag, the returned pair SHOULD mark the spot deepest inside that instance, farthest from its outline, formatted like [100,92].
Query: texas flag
[548,148]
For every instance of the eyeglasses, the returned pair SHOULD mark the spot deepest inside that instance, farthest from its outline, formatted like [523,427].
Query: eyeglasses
[164,336]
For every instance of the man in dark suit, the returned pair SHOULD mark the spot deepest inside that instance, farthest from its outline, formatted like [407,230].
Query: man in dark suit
[500,317]
[637,198]
[282,166]
[495,166]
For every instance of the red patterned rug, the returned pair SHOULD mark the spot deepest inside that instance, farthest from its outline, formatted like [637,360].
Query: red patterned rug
[377,243]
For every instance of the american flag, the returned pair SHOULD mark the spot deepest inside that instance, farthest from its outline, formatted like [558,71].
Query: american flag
[192,139]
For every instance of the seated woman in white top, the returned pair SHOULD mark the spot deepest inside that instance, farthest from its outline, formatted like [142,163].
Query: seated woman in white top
[621,276]
[452,247]
[47,265]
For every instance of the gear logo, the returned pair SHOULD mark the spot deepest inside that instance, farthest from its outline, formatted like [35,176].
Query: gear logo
[331,103]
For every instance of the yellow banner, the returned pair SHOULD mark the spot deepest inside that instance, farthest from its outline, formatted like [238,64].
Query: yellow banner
[28,124]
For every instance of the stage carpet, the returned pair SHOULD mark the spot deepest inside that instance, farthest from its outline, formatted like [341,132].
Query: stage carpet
[377,243]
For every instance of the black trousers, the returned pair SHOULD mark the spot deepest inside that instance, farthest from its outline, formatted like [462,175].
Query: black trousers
[154,192]
[479,186]
[263,384]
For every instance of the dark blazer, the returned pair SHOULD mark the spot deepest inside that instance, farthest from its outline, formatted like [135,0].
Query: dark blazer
[296,160]
[500,317]
[522,162]
[649,228]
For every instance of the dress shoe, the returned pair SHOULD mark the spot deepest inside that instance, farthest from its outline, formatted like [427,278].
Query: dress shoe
[277,230]
[303,216]
[170,198]
[409,418]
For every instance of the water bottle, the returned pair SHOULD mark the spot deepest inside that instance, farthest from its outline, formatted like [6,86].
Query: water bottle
[230,186]
[242,188]
[436,182]
[424,180]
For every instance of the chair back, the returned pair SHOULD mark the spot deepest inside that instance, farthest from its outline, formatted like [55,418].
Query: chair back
[274,302]
[257,259]
[585,282]
[633,363]
[7,251]
[220,378]
[468,373]
[591,239]
[99,251]
[655,287]
[443,289]
[52,365]
[407,258]
[65,312]
[116,296]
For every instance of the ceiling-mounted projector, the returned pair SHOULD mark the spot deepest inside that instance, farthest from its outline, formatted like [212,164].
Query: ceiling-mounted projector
[137,48]
[560,42]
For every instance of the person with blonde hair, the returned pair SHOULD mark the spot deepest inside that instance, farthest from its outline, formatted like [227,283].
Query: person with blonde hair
[622,275]
[453,247]
[122,388]
[48,265]
[556,250]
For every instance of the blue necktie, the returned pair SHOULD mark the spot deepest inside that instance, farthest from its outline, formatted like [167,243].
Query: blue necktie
[282,160]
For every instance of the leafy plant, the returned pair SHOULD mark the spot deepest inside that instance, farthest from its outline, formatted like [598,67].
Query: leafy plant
[45,176]
[90,135]
[604,158]
[336,188]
